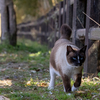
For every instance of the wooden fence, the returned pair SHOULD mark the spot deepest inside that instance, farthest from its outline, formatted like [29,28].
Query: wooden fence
[83,16]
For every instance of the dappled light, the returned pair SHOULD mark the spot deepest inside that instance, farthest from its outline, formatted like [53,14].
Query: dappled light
[39,83]
[91,81]
[36,35]
[25,69]
[34,54]
[5,82]
[7,57]
[54,2]
[2,55]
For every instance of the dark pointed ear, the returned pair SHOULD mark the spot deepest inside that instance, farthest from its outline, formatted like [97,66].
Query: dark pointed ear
[83,49]
[69,49]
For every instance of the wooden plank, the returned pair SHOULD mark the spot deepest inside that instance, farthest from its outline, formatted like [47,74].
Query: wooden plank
[54,26]
[59,17]
[93,58]
[80,34]
[74,21]
[86,36]
[94,34]
[67,11]
[64,2]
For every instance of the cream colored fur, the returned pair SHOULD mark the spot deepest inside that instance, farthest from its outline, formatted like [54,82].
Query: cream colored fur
[61,61]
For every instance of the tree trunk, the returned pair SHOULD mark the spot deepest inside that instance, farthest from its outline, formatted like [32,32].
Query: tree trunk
[8,22]
[12,24]
[4,25]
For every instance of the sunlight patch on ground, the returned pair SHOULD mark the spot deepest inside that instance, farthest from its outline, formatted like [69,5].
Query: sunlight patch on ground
[4,98]
[37,83]
[5,82]
[34,54]
[91,80]
[2,55]
[49,52]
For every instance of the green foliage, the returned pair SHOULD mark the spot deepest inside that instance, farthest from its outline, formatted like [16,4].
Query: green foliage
[28,6]
[27,10]
[99,74]
[5,90]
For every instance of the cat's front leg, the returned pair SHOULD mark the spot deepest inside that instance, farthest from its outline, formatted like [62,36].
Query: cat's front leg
[52,79]
[77,82]
[66,83]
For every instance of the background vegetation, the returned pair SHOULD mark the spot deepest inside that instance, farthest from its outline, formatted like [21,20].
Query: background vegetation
[32,9]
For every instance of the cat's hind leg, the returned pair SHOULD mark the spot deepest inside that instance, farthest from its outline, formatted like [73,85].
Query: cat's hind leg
[52,78]
[77,82]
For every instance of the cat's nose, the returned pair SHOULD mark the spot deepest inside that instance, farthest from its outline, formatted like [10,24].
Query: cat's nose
[78,62]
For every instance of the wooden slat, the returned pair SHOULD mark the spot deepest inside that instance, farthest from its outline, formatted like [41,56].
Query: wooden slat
[59,17]
[67,11]
[74,21]
[86,36]
[94,34]
[64,2]
[55,25]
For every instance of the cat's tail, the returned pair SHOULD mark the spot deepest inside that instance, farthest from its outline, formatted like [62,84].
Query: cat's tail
[65,32]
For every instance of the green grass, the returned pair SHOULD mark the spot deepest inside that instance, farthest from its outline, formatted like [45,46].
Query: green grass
[24,75]
[24,45]
[24,96]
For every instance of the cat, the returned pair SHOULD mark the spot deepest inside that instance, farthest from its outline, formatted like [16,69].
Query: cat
[66,60]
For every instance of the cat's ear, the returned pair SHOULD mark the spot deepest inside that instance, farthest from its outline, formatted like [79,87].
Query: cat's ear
[83,49]
[69,49]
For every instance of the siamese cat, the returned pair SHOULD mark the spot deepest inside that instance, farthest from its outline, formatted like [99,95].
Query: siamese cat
[66,60]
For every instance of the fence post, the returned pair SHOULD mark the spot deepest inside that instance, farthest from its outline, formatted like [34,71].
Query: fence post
[86,36]
[55,28]
[67,11]
[74,21]
[48,29]
[59,17]
[64,4]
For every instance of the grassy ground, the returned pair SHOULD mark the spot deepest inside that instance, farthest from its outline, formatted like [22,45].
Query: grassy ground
[24,75]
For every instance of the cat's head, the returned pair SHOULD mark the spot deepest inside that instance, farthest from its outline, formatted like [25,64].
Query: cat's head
[75,57]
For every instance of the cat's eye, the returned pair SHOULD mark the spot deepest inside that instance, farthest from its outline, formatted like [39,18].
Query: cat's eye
[74,58]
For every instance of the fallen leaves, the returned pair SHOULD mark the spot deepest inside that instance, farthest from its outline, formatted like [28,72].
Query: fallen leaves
[43,84]
[5,83]
[39,84]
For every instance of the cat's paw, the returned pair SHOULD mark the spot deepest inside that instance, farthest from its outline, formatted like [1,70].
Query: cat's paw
[64,90]
[69,94]
[50,92]
[74,88]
